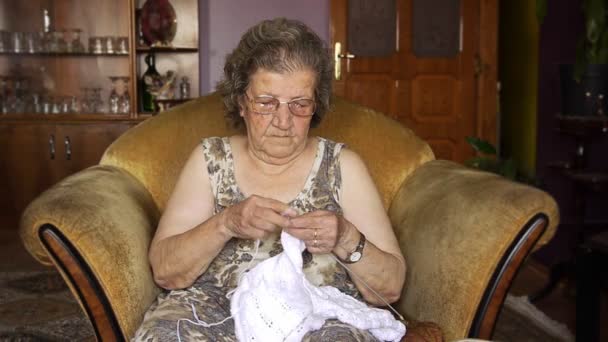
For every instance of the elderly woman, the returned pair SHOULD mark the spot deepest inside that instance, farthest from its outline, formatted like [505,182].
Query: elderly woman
[275,177]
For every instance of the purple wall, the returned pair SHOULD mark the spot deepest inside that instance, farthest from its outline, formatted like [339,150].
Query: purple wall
[222,22]
[559,36]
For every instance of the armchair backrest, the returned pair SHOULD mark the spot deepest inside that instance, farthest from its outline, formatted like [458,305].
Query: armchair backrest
[156,150]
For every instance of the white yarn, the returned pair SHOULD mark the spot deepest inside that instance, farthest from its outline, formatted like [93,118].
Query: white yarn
[275,302]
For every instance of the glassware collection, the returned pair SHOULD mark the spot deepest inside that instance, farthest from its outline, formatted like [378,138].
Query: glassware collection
[65,41]
[39,73]
[59,41]
[26,95]
[32,90]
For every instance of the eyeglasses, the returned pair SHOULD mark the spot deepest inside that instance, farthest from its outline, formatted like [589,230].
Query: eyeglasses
[267,105]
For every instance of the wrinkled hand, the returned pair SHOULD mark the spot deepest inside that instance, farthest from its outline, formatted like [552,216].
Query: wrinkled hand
[320,230]
[256,217]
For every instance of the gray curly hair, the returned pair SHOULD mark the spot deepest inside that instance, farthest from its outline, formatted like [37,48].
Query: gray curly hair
[279,45]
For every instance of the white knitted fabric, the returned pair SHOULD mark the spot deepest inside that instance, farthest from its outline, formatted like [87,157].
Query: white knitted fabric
[275,302]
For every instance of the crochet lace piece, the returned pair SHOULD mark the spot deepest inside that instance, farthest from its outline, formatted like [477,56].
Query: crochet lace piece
[275,302]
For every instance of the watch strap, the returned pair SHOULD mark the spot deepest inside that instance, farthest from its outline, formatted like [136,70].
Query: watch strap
[358,252]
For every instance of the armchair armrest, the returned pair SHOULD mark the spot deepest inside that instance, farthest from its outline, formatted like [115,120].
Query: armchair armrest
[96,227]
[464,234]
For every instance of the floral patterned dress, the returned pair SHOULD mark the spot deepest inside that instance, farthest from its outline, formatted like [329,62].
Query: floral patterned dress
[208,300]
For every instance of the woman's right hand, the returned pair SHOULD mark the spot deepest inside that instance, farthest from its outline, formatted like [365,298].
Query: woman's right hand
[256,217]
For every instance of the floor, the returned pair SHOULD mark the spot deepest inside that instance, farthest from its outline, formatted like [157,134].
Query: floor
[559,305]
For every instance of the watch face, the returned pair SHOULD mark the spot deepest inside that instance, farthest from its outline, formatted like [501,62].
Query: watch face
[355,257]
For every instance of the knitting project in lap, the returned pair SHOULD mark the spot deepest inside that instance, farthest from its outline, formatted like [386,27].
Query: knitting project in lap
[275,302]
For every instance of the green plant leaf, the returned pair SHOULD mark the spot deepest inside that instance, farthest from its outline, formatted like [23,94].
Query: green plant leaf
[474,162]
[602,53]
[593,46]
[508,169]
[581,61]
[481,145]
[541,10]
[484,164]
[595,19]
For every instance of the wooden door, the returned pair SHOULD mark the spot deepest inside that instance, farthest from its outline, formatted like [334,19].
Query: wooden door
[82,145]
[430,64]
[27,168]
[34,156]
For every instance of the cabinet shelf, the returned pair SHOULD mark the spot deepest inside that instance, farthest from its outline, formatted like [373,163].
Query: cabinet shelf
[165,49]
[583,126]
[63,54]
[28,117]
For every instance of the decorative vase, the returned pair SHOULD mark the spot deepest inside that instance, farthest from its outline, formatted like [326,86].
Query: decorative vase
[158,22]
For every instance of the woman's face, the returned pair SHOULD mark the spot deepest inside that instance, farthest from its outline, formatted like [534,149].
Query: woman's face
[278,137]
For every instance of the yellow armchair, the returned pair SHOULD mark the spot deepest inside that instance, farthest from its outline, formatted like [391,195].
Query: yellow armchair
[464,233]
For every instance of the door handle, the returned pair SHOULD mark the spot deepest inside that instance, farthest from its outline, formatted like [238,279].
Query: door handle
[68,148]
[338,55]
[52,146]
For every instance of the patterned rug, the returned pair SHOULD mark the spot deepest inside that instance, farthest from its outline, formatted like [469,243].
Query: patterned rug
[37,306]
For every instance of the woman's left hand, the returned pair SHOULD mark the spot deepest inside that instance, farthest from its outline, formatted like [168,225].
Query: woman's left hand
[321,230]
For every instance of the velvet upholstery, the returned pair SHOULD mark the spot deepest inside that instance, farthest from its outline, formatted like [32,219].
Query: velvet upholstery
[453,223]
[110,218]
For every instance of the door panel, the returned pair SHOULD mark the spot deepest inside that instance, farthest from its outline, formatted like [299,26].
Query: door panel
[436,96]
[371,90]
[26,168]
[34,156]
[82,145]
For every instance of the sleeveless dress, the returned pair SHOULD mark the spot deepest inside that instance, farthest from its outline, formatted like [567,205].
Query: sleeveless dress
[208,300]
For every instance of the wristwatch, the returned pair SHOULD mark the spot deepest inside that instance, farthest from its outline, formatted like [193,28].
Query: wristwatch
[356,255]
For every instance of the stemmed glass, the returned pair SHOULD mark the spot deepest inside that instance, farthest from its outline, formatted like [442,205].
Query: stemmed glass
[4,91]
[96,100]
[86,100]
[125,100]
[75,45]
[114,97]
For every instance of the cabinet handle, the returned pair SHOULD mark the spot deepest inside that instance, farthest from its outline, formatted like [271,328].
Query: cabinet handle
[52,146]
[68,148]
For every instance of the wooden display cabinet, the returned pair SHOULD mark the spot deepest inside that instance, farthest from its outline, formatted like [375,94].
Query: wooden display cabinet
[181,56]
[50,124]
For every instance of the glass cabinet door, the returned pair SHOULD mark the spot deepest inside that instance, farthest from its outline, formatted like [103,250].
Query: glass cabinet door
[65,57]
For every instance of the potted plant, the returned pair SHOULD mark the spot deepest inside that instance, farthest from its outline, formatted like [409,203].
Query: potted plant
[584,85]
[487,159]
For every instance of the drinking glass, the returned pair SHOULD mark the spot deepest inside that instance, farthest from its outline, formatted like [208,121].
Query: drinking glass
[56,105]
[52,42]
[75,45]
[36,103]
[122,45]
[47,104]
[108,44]
[124,102]
[114,97]
[95,45]
[4,41]
[86,100]
[96,100]
[17,42]
[32,44]
[62,45]
[74,104]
